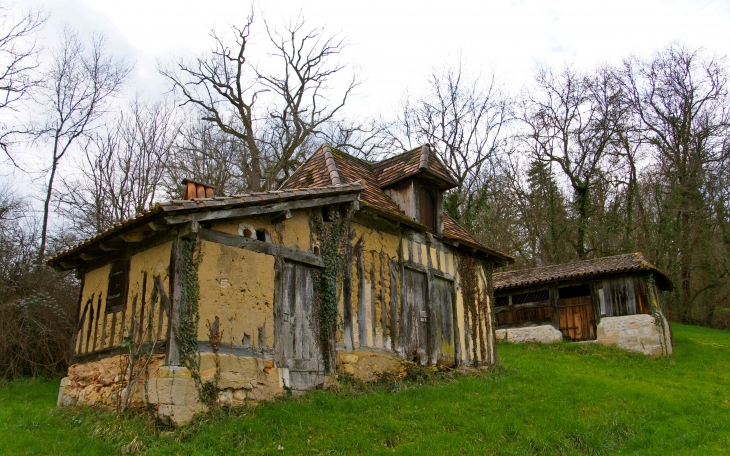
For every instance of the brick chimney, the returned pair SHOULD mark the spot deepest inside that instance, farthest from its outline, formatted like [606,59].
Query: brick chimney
[196,190]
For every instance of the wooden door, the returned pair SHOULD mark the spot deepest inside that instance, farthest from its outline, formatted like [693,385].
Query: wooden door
[414,318]
[444,352]
[577,319]
[296,341]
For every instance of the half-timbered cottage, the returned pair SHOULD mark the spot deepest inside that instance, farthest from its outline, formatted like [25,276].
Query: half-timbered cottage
[351,267]
[613,300]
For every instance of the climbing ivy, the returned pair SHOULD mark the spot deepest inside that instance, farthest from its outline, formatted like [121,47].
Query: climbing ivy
[186,334]
[330,235]
[656,310]
[469,281]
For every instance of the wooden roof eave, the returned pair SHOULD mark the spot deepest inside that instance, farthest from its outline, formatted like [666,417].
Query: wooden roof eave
[663,282]
[500,259]
[163,220]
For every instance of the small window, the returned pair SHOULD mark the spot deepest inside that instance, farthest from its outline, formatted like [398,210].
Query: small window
[602,299]
[116,296]
[261,235]
[427,209]
[574,292]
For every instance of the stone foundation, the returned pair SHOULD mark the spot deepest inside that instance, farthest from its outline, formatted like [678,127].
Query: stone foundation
[171,390]
[366,365]
[639,333]
[544,334]
[98,382]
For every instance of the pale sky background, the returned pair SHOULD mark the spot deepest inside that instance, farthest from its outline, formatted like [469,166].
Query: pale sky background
[393,45]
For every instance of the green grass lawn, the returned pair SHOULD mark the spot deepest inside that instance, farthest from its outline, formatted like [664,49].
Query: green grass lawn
[555,399]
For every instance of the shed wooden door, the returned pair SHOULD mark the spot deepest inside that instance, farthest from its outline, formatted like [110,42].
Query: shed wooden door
[296,342]
[577,320]
[414,318]
[443,322]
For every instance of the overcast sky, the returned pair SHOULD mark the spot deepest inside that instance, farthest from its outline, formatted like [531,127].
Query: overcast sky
[394,44]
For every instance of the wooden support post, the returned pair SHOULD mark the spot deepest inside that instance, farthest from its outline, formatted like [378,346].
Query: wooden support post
[347,294]
[555,314]
[172,357]
[383,310]
[361,304]
[373,311]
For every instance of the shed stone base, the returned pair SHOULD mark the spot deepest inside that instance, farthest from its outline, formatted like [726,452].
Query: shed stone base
[639,333]
[543,333]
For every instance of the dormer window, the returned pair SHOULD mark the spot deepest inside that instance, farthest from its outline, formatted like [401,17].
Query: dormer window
[427,209]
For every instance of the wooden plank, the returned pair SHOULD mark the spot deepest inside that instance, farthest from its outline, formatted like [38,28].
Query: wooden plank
[97,322]
[444,324]
[176,271]
[373,308]
[132,249]
[142,307]
[267,248]
[88,330]
[393,270]
[133,319]
[103,328]
[361,304]
[112,333]
[222,214]
[383,311]
[349,338]
[80,326]
[159,348]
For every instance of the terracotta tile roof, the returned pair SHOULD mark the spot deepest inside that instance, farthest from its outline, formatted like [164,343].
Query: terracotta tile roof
[351,169]
[160,210]
[419,160]
[597,267]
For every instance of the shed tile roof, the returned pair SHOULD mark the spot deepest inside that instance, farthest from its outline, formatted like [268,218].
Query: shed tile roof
[566,271]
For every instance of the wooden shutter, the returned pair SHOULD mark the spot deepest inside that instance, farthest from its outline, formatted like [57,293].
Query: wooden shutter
[427,209]
[116,296]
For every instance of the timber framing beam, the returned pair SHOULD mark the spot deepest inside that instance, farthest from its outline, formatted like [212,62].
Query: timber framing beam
[222,214]
[267,248]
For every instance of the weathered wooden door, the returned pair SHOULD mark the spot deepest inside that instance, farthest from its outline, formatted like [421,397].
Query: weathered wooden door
[444,352]
[296,341]
[577,319]
[414,318]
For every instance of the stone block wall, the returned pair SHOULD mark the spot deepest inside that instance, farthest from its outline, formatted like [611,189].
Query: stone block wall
[171,390]
[542,333]
[647,334]
[366,365]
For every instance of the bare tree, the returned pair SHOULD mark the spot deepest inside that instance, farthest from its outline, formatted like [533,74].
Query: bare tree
[204,153]
[681,97]
[122,170]
[272,112]
[18,60]
[463,117]
[569,119]
[79,86]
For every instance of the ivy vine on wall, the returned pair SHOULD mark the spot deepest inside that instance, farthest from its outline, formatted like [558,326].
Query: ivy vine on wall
[186,334]
[330,231]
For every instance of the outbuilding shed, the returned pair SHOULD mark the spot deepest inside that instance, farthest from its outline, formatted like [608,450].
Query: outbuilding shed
[613,300]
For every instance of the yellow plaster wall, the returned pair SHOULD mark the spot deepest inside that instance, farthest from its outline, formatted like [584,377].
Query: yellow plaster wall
[155,262]
[374,241]
[95,285]
[295,232]
[237,286]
